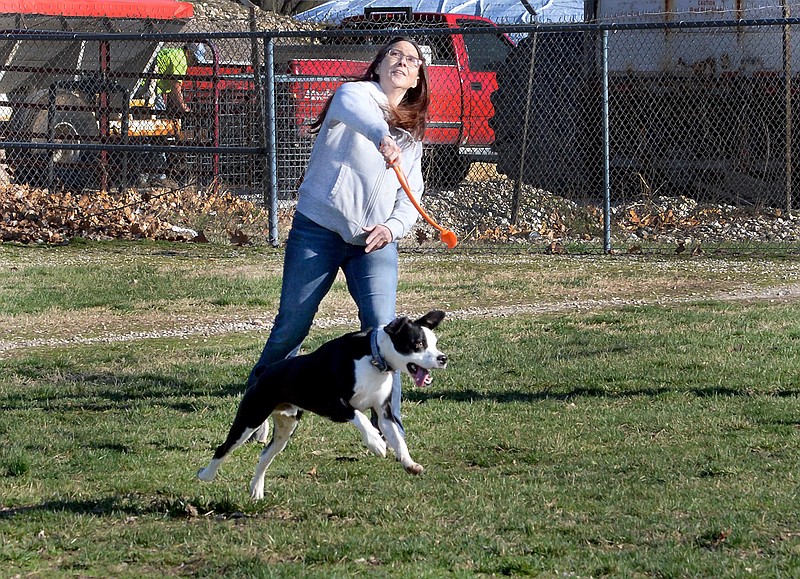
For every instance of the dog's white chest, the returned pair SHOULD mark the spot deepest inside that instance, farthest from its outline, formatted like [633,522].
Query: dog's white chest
[372,387]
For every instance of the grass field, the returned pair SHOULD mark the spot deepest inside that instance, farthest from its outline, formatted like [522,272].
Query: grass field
[613,416]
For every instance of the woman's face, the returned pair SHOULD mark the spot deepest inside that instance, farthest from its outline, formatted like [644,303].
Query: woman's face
[399,69]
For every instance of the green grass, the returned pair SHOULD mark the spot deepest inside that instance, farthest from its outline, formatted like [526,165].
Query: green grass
[623,441]
[561,448]
[124,276]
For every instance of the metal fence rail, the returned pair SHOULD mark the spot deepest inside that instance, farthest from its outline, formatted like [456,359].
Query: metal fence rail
[658,137]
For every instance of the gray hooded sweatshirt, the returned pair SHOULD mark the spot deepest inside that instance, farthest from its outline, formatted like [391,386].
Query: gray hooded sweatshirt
[347,185]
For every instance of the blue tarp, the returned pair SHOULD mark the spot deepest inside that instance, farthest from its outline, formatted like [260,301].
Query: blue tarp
[505,12]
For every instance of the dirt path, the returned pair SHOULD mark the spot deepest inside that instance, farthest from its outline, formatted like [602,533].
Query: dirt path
[213,327]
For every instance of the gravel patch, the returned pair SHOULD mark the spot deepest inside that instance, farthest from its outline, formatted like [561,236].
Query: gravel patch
[482,210]
[789,292]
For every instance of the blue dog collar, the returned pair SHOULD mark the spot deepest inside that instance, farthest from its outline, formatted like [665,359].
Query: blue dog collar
[377,359]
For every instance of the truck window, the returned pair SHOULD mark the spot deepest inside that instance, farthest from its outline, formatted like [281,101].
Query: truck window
[441,48]
[486,51]
[442,51]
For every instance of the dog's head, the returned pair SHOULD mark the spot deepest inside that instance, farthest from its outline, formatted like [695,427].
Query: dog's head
[412,346]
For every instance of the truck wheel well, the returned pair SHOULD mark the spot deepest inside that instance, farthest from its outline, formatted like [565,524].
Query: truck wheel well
[443,166]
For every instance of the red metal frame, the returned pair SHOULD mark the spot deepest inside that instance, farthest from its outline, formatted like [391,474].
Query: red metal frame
[146,9]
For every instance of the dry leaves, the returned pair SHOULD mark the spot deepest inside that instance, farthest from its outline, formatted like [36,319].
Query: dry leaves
[30,215]
[504,233]
[656,218]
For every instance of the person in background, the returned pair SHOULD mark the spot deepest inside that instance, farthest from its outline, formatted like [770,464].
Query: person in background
[351,209]
[172,63]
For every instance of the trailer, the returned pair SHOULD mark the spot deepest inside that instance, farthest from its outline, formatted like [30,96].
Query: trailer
[66,90]
[700,102]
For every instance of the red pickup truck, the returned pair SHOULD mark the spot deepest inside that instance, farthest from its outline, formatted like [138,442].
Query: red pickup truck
[461,71]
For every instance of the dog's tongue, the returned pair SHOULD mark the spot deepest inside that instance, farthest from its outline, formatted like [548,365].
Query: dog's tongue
[422,377]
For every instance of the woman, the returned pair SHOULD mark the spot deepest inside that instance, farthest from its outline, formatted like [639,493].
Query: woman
[351,210]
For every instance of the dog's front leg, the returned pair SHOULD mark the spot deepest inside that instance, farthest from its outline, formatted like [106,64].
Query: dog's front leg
[397,442]
[372,438]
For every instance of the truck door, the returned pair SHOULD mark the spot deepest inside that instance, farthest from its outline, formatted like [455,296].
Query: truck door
[483,55]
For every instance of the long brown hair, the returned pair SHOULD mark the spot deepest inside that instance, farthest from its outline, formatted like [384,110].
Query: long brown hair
[411,114]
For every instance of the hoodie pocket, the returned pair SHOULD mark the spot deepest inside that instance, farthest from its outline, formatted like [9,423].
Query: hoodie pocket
[349,196]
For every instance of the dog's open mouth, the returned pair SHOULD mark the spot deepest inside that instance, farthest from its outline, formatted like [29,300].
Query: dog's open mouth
[421,375]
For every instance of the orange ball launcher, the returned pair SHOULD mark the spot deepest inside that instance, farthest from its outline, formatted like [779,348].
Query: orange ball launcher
[448,237]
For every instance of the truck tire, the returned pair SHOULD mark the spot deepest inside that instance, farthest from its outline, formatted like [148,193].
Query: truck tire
[542,119]
[443,167]
[73,168]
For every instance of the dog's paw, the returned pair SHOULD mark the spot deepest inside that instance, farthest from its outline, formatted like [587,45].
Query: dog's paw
[261,434]
[257,489]
[206,474]
[376,444]
[414,468]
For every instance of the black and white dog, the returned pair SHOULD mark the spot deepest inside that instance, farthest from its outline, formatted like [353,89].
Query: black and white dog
[341,380]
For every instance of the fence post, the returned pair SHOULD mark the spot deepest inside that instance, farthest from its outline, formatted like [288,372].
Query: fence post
[517,200]
[787,75]
[105,61]
[261,112]
[271,138]
[606,149]
[51,113]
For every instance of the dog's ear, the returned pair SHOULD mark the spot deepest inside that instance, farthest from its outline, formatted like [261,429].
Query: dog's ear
[396,325]
[432,319]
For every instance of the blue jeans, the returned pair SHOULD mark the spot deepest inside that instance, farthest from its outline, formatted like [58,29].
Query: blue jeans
[312,259]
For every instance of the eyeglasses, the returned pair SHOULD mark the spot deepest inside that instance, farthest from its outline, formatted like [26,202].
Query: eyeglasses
[397,56]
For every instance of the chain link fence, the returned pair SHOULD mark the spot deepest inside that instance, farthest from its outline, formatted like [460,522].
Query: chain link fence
[583,138]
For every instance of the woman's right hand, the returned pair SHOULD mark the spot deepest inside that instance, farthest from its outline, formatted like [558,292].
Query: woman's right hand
[390,151]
